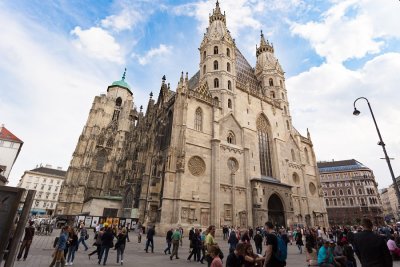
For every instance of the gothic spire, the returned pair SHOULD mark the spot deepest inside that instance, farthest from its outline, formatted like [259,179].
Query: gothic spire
[265,46]
[123,76]
[217,15]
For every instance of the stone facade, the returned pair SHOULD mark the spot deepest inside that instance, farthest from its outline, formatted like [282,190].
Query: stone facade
[350,192]
[219,150]
[388,212]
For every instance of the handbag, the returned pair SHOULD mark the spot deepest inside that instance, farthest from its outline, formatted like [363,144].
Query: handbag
[87,237]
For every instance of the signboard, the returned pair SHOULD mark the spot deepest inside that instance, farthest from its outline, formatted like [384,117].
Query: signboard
[9,201]
[134,213]
[95,221]
[88,221]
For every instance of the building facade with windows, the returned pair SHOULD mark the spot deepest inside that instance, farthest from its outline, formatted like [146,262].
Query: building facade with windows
[350,192]
[47,182]
[221,149]
[388,212]
[10,147]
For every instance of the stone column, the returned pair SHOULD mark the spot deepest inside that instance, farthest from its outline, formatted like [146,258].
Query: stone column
[249,195]
[215,182]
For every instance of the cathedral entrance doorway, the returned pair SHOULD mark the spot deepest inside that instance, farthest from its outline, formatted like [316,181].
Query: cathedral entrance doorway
[276,213]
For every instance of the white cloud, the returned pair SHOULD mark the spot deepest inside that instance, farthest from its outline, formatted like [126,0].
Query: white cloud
[125,20]
[351,28]
[162,50]
[241,14]
[98,43]
[322,98]
[47,89]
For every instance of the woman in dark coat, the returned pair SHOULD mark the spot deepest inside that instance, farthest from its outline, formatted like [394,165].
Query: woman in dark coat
[106,243]
[299,241]
[232,241]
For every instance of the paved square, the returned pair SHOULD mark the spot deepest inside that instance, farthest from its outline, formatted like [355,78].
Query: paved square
[41,250]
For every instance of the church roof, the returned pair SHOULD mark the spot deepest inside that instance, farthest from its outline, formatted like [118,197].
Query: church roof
[49,171]
[122,83]
[341,165]
[244,71]
[194,81]
[6,135]
[270,180]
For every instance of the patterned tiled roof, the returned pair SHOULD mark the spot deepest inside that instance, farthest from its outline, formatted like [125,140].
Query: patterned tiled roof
[50,171]
[8,136]
[341,165]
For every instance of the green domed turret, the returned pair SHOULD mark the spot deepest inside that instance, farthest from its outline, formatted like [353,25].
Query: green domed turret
[122,83]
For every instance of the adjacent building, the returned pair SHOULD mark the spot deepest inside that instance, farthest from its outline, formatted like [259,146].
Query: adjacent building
[350,192]
[221,149]
[47,182]
[388,212]
[10,147]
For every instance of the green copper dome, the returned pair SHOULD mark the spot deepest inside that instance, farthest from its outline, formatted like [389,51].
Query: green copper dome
[122,83]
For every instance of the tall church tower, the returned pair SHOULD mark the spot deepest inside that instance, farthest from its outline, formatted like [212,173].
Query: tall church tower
[93,169]
[217,61]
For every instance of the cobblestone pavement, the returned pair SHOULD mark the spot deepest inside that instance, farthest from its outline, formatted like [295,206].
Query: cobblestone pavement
[41,250]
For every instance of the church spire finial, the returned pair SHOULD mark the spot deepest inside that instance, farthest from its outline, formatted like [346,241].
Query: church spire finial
[264,45]
[217,15]
[123,75]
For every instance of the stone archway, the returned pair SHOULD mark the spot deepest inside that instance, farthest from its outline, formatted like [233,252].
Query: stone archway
[276,211]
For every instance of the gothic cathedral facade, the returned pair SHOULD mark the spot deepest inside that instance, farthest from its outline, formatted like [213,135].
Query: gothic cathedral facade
[220,150]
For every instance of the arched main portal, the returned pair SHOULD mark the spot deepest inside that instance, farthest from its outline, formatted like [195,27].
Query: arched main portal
[276,212]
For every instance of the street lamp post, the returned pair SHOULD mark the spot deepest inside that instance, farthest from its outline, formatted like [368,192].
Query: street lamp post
[356,112]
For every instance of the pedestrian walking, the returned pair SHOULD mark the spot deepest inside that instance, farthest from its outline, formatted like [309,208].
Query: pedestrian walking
[150,239]
[168,239]
[214,252]
[120,245]
[258,242]
[276,249]
[84,236]
[73,246]
[196,245]
[97,243]
[58,254]
[210,242]
[232,240]
[299,241]
[27,241]
[176,237]
[106,243]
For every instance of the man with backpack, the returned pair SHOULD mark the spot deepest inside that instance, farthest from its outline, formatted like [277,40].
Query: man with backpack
[276,248]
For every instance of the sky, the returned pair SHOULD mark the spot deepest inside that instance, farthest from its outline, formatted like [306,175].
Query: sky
[56,56]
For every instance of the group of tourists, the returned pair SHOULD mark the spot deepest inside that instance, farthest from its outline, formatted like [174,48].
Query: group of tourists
[68,243]
[332,247]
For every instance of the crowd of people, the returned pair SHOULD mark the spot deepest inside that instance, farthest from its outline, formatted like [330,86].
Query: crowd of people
[332,247]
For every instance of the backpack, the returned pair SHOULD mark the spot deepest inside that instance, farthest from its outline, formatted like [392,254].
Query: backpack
[281,251]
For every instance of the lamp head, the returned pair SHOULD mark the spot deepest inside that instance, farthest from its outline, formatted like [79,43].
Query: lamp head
[356,112]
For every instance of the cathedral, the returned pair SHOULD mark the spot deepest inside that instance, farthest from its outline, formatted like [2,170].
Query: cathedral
[221,149]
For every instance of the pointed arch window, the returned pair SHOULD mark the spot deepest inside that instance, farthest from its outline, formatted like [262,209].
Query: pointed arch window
[272,94]
[228,52]
[351,202]
[216,83]
[280,83]
[285,110]
[204,55]
[327,202]
[228,67]
[118,102]
[229,85]
[349,191]
[215,65]
[333,193]
[229,103]
[264,145]
[271,82]
[101,159]
[231,138]
[287,125]
[293,155]
[198,120]
[306,154]
[204,69]
[215,50]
